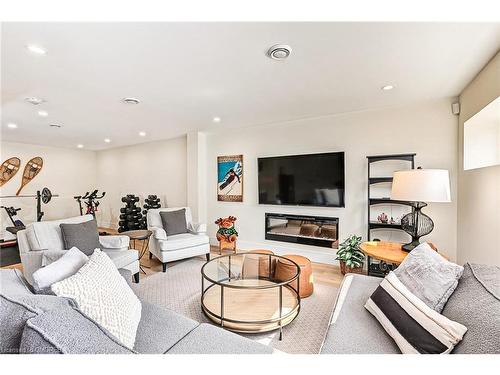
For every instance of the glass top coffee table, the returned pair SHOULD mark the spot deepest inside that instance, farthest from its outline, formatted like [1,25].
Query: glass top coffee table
[240,293]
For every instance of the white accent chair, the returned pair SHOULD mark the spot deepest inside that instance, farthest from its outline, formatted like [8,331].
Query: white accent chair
[44,236]
[178,246]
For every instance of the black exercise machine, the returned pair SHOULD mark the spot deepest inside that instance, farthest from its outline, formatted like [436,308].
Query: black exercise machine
[91,201]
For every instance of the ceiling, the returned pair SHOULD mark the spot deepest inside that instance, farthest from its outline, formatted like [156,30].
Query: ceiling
[185,74]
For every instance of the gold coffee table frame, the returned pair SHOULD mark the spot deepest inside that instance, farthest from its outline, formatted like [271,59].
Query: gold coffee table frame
[248,302]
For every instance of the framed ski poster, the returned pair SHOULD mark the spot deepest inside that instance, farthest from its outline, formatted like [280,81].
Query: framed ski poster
[230,178]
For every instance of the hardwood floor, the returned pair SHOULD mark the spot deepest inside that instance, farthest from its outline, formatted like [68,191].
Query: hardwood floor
[322,273]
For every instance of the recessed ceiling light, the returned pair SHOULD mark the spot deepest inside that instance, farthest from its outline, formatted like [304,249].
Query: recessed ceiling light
[216,119]
[107,140]
[43,113]
[142,134]
[36,49]
[79,146]
[279,51]
[387,87]
[12,126]
[34,100]
[131,101]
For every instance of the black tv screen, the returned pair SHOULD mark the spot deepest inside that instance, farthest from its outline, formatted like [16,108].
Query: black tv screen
[304,180]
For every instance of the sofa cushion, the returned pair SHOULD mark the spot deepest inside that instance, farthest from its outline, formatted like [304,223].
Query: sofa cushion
[67,330]
[12,282]
[160,329]
[61,269]
[208,339]
[476,304]
[183,241]
[353,330]
[16,309]
[174,222]
[84,236]
[429,276]
[122,258]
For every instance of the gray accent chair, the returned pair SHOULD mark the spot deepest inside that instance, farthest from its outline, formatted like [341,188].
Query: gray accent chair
[178,246]
[46,324]
[45,237]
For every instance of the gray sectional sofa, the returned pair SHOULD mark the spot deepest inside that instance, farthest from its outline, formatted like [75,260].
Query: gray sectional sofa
[36,324]
[475,303]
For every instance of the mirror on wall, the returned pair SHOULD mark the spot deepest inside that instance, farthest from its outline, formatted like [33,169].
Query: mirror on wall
[482,137]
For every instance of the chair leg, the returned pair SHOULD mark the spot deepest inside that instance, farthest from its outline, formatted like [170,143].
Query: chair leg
[136,277]
[164,266]
[208,257]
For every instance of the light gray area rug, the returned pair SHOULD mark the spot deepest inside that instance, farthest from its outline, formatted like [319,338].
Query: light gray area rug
[179,289]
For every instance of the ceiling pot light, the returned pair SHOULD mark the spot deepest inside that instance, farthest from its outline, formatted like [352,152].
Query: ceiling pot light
[387,87]
[79,146]
[36,49]
[34,100]
[279,52]
[131,101]
[216,119]
[43,113]
[12,126]
[107,140]
[142,134]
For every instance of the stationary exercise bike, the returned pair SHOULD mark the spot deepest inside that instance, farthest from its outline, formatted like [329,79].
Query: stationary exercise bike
[91,201]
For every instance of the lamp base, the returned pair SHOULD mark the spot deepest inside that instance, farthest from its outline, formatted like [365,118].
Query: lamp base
[410,246]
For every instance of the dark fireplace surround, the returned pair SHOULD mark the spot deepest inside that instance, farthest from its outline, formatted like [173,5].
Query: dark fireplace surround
[303,229]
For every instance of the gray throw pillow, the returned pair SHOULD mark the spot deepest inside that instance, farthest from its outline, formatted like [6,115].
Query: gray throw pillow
[429,276]
[83,236]
[174,222]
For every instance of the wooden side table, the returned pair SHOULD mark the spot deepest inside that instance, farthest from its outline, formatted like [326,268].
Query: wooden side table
[389,255]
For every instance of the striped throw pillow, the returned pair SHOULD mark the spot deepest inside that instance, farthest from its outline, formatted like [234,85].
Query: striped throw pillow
[414,326]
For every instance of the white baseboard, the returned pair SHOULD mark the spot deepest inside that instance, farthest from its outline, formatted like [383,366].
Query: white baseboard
[315,254]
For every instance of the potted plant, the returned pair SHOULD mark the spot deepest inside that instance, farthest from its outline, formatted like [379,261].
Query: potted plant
[350,255]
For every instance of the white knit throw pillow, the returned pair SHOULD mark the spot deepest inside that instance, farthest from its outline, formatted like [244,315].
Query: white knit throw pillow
[103,295]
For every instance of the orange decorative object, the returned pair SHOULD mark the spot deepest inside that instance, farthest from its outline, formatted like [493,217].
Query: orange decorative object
[257,263]
[227,234]
[285,271]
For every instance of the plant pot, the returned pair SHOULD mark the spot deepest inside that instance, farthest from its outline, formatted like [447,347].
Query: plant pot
[344,269]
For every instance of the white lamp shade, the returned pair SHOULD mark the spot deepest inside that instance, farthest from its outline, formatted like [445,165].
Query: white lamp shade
[421,185]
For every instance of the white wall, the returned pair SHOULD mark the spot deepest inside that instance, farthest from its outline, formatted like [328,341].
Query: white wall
[151,168]
[65,172]
[429,129]
[479,189]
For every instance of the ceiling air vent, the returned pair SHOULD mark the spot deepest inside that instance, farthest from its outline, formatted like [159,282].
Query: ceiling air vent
[279,52]
[131,101]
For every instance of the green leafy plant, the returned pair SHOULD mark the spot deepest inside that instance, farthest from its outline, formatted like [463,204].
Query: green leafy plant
[350,253]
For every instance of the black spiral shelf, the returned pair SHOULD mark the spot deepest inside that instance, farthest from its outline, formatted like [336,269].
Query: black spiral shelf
[376,267]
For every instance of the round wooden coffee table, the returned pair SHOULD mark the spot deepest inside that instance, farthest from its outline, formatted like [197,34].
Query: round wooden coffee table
[245,299]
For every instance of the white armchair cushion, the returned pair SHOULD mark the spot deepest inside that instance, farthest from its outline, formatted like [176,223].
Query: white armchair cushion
[198,228]
[114,242]
[183,241]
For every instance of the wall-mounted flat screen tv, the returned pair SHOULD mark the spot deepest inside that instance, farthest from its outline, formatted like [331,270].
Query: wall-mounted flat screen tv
[302,180]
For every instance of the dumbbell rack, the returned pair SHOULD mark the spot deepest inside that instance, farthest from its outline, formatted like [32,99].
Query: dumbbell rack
[130,216]
[152,201]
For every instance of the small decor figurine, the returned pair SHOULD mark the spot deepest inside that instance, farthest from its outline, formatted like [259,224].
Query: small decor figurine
[226,235]
[383,218]
[350,256]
